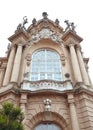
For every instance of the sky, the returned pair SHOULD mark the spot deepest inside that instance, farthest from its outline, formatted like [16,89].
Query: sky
[77,11]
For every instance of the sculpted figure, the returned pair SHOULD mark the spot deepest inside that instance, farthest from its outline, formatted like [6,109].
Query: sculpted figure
[57,21]
[70,26]
[73,26]
[25,20]
[34,21]
[22,25]
[44,14]
[47,104]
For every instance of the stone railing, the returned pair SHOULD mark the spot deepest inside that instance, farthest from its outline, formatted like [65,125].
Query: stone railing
[46,85]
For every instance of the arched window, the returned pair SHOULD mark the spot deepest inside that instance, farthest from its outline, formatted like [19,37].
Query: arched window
[45,65]
[47,126]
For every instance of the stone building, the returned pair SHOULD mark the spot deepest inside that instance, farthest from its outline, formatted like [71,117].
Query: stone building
[46,75]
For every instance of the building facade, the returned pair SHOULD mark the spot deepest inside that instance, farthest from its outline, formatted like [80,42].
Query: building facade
[46,75]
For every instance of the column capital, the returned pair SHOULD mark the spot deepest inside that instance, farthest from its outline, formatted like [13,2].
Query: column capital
[71,44]
[20,44]
[78,47]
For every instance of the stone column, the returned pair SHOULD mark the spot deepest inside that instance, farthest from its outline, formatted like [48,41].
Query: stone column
[9,66]
[23,102]
[73,114]
[16,67]
[75,64]
[82,66]
[1,76]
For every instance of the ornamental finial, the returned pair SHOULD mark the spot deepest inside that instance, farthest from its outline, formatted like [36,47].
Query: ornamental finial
[44,14]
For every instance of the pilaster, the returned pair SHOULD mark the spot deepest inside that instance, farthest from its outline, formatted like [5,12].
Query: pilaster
[73,114]
[23,102]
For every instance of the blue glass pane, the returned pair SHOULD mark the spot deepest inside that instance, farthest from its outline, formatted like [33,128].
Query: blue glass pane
[47,126]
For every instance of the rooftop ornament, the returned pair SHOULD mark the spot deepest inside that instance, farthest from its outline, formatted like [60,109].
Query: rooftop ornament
[22,25]
[44,14]
[57,21]
[70,26]
[34,21]
[8,47]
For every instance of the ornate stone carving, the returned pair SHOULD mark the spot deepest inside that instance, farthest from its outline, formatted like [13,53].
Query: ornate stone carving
[26,75]
[47,103]
[45,33]
[46,85]
[63,59]
[44,14]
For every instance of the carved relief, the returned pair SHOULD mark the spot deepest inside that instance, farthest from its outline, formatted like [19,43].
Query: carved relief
[47,104]
[63,59]
[45,33]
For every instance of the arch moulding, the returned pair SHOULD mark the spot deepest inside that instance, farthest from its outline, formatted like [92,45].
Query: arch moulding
[41,117]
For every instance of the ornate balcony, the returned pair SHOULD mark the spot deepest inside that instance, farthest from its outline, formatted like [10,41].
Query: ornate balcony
[46,85]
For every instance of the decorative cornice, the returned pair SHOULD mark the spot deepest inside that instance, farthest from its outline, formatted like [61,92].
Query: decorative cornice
[17,35]
[71,35]
[80,86]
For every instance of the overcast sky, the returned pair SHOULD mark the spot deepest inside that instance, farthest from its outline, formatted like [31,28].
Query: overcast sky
[78,11]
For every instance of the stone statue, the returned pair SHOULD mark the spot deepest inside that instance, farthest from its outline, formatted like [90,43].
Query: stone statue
[25,20]
[57,21]
[44,14]
[8,46]
[70,26]
[47,104]
[22,25]
[73,26]
[34,21]
[19,27]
